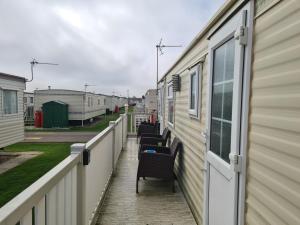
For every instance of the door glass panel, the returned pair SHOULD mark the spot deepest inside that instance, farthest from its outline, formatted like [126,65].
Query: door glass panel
[217,97]
[221,108]
[227,101]
[229,60]
[219,58]
[215,136]
[226,139]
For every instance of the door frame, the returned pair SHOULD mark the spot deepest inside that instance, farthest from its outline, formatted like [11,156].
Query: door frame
[245,97]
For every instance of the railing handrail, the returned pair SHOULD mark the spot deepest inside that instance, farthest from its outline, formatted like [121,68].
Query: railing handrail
[23,202]
[99,137]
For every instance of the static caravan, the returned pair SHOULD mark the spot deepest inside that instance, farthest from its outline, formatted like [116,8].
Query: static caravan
[81,105]
[108,103]
[11,109]
[28,101]
[233,98]
[150,100]
[115,102]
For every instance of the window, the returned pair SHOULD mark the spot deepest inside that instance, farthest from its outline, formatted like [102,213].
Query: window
[25,99]
[104,101]
[194,92]
[89,101]
[222,95]
[98,101]
[170,104]
[10,102]
[31,99]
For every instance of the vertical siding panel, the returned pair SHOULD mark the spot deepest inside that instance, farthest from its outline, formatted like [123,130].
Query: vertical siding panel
[27,219]
[60,203]
[40,212]
[52,206]
[273,180]
[68,198]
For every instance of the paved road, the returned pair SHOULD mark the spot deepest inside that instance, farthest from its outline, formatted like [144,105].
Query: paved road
[59,136]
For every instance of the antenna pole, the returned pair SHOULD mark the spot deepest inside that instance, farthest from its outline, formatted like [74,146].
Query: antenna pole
[160,47]
[34,62]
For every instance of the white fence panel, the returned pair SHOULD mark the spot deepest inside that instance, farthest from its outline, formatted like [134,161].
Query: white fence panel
[40,212]
[98,172]
[31,202]
[70,193]
[51,202]
[27,219]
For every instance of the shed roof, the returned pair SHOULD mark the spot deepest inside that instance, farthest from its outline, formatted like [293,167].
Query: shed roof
[57,101]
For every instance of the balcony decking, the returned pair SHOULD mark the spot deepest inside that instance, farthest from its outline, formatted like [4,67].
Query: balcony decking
[155,204]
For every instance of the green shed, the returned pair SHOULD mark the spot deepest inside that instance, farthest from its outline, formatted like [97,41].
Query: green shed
[55,114]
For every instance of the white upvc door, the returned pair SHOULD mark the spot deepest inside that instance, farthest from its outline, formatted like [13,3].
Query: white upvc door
[223,160]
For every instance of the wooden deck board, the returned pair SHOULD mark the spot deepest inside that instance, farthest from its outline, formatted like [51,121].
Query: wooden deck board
[155,204]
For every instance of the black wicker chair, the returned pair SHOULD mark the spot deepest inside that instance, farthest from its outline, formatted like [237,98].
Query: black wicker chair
[159,164]
[154,139]
[147,128]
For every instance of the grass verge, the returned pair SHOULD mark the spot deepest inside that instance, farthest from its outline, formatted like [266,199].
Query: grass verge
[19,178]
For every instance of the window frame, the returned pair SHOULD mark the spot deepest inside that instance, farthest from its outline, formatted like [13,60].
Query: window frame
[195,71]
[170,97]
[17,103]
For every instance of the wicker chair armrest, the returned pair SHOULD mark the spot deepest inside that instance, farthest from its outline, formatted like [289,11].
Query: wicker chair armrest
[150,135]
[155,157]
[158,149]
[145,129]
[150,141]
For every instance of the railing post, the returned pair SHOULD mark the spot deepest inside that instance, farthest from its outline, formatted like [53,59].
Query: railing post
[123,116]
[78,148]
[113,124]
[131,123]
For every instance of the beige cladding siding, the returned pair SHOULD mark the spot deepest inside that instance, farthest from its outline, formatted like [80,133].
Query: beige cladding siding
[11,126]
[273,181]
[190,162]
[74,102]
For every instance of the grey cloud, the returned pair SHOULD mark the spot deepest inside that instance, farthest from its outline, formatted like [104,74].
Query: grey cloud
[107,43]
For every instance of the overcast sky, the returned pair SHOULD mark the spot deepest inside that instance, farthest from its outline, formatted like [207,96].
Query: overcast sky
[107,43]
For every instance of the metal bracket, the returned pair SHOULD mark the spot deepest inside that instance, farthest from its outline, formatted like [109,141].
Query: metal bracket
[241,34]
[204,136]
[235,162]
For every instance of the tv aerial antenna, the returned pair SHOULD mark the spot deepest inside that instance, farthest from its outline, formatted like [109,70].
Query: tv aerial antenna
[34,62]
[87,85]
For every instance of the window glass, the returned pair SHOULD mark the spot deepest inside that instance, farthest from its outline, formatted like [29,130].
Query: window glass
[31,99]
[193,91]
[25,99]
[170,104]
[170,90]
[171,111]
[10,102]
[221,109]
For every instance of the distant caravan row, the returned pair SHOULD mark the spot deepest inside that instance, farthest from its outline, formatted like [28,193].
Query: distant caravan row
[82,106]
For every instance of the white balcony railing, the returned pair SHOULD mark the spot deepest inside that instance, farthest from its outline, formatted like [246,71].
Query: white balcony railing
[70,193]
[135,120]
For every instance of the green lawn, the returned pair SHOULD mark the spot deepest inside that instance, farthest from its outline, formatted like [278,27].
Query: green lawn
[17,179]
[97,126]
